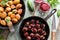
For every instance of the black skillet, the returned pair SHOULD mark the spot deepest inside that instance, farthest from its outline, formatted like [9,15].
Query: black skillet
[41,20]
[22,15]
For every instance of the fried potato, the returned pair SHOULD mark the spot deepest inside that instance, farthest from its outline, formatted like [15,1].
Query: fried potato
[12,16]
[18,16]
[13,6]
[19,11]
[18,6]
[14,20]
[1,9]
[8,9]
[0,20]
[3,15]
[16,1]
[3,22]
[10,2]
[9,13]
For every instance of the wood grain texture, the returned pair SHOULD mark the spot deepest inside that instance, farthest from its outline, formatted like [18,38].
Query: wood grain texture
[58,31]
[53,36]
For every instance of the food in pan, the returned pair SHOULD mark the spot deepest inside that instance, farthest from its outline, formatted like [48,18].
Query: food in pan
[10,11]
[34,30]
[3,22]
[0,0]
[1,9]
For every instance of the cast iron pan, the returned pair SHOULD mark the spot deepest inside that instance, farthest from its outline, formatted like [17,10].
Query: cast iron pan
[22,15]
[41,20]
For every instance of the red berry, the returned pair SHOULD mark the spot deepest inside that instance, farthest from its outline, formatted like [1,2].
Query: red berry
[25,29]
[28,38]
[37,26]
[29,28]
[34,30]
[26,34]
[33,25]
[37,21]
[32,35]
[44,33]
[37,36]
[32,21]
[40,30]
[41,36]
[43,25]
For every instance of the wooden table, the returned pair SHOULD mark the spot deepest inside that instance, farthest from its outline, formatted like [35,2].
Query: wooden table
[58,31]
[56,35]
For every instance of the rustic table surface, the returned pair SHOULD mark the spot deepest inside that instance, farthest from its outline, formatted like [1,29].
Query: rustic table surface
[10,36]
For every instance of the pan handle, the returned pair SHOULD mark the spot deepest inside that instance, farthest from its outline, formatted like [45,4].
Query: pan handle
[51,13]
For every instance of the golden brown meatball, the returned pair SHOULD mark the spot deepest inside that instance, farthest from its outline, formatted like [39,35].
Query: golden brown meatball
[18,6]
[3,15]
[18,16]
[3,22]
[14,20]
[19,11]
[9,13]
[8,9]
[12,16]
[1,9]
[10,2]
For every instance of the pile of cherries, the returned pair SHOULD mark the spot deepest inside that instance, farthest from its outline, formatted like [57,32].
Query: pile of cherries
[34,30]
